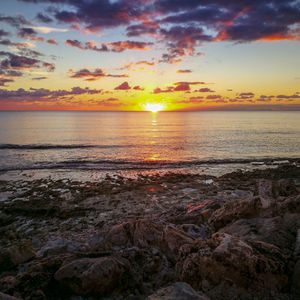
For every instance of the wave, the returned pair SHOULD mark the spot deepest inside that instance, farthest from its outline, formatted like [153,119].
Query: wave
[116,165]
[54,147]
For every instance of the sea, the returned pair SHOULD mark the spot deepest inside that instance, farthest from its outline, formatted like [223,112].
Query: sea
[118,142]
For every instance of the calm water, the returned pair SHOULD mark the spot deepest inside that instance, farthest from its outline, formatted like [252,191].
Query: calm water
[124,140]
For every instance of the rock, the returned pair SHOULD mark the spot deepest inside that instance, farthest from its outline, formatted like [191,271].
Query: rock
[93,276]
[195,231]
[59,246]
[36,280]
[235,210]
[7,297]
[15,255]
[285,187]
[145,233]
[250,266]
[296,281]
[177,291]
[279,231]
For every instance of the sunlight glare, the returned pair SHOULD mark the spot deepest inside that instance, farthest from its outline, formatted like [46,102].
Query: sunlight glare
[154,107]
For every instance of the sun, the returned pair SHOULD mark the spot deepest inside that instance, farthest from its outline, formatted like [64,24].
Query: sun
[154,107]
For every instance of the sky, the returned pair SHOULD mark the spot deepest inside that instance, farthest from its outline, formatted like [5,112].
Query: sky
[136,54]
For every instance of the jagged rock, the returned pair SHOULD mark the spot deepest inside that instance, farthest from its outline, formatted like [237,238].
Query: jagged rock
[235,210]
[7,297]
[250,266]
[177,291]
[279,231]
[96,276]
[146,233]
[15,255]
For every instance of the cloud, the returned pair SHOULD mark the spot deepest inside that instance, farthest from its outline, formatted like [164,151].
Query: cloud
[20,62]
[3,81]
[52,41]
[89,45]
[3,33]
[46,29]
[182,87]
[108,102]
[89,75]
[295,96]
[183,71]
[15,21]
[138,88]
[128,45]
[34,95]
[27,32]
[204,90]
[213,97]
[124,86]
[43,18]
[40,78]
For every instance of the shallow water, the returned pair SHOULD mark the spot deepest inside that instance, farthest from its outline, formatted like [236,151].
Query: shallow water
[141,140]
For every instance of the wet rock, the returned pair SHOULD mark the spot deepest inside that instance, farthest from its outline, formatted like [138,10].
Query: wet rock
[96,276]
[250,266]
[235,210]
[177,291]
[7,297]
[15,255]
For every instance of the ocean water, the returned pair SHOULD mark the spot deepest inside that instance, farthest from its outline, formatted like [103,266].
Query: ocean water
[143,140]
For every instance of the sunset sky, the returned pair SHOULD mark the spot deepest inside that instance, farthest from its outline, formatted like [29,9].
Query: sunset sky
[125,54]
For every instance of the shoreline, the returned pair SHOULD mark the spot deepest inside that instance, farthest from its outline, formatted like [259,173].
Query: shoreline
[211,167]
[157,220]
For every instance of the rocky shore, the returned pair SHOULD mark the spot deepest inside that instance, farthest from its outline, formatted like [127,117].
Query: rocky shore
[172,236]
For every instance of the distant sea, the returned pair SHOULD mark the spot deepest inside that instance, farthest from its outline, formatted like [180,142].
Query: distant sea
[142,140]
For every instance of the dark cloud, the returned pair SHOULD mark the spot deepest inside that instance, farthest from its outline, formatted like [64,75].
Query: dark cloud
[43,18]
[3,33]
[204,90]
[124,86]
[213,97]
[183,71]
[295,96]
[125,45]
[86,46]
[15,21]
[138,88]
[40,78]
[89,75]
[170,89]
[3,81]
[27,32]
[20,62]
[33,95]
[182,87]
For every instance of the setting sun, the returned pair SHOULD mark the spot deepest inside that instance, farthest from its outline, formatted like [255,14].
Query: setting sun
[154,107]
